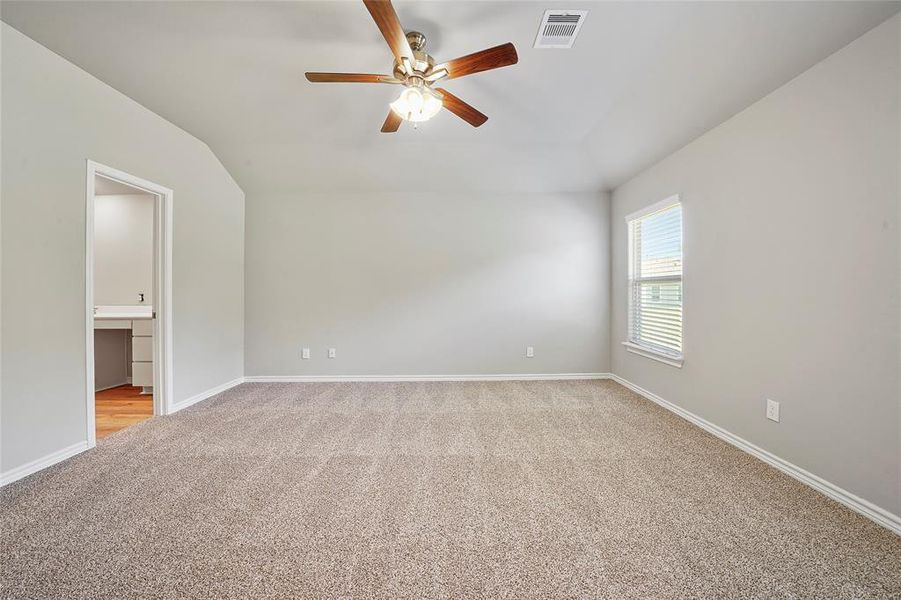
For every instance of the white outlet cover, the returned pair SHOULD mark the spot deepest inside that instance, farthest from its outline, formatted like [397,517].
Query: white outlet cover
[772,410]
[331,353]
[305,353]
[530,352]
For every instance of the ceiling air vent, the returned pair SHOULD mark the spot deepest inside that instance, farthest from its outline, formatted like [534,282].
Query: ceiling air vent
[559,28]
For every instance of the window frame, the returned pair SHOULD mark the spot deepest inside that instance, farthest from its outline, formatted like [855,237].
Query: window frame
[647,351]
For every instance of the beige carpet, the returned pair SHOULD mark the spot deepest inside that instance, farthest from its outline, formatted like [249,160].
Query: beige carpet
[571,488]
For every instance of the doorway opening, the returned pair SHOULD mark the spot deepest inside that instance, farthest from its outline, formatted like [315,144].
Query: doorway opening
[127,300]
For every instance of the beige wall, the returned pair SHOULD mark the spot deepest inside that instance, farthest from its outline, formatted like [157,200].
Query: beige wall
[54,118]
[427,284]
[123,249]
[791,247]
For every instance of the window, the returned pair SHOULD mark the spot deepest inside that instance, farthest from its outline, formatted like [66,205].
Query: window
[655,282]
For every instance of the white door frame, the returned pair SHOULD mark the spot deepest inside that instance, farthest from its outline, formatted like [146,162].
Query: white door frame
[161,296]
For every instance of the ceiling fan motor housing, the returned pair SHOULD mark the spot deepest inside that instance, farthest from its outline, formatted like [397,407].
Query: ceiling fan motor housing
[422,63]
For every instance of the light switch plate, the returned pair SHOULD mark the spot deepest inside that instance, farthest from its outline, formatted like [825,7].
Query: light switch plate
[772,410]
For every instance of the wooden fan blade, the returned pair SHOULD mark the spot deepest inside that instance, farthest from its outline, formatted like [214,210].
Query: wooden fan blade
[462,109]
[485,60]
[384,16]
[392,122]
[350,78]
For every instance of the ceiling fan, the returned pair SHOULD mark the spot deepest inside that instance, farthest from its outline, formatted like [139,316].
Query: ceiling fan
[417,72]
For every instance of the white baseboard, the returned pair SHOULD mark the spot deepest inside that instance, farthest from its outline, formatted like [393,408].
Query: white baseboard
[42,463]
[204,395]
[61,455]
[857,504]
[397,378]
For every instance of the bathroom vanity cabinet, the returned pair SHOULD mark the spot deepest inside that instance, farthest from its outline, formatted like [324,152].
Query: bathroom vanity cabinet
[140,323]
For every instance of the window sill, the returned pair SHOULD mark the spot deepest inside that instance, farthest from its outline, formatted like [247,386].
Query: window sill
[653,355]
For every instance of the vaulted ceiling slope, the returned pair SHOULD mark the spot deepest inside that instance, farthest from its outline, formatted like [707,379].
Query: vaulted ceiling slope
[643,79]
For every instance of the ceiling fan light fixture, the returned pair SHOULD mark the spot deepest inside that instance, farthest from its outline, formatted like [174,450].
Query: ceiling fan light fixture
[417,71]
[416,104]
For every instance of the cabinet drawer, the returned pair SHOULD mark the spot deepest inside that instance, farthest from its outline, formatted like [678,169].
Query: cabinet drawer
[142,349]
[142,327]
[142,373]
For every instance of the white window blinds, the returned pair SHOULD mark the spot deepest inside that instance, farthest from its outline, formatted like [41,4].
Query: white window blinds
[655,279]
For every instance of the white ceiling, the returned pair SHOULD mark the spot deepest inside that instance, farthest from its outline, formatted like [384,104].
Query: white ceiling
[643,79]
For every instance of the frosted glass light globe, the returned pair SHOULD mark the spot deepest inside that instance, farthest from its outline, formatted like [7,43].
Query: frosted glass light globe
[416,104]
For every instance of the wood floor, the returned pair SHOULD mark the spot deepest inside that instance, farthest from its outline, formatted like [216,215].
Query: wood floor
[120,407]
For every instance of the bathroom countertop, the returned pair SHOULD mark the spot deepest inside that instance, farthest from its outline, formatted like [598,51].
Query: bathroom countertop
[123,312]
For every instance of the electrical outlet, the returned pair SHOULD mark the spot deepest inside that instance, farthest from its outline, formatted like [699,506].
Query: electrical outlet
[772,410]
[530,352]
[331,353]
[305,353]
